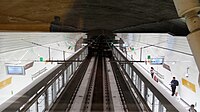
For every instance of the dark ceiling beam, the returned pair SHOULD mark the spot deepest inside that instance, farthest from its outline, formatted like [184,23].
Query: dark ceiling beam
[175,27]
[42,27]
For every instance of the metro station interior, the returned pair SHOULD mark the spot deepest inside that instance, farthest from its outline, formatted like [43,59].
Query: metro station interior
[98,55]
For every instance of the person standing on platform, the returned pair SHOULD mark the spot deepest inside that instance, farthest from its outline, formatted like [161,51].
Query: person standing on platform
[152,72]
[173,84]
[191,109]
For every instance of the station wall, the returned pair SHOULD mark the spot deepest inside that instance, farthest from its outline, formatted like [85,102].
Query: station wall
[36,51]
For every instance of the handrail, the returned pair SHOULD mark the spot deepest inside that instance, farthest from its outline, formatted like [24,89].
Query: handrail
[156,72]
[165,99]
[39,72]
[34,89]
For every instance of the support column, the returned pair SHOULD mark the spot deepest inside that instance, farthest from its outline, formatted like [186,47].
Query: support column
[189,9]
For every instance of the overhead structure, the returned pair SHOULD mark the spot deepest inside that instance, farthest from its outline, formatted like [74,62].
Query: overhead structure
[135,16]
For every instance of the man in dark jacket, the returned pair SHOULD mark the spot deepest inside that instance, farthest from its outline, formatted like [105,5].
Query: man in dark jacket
[191,109]
[173,84]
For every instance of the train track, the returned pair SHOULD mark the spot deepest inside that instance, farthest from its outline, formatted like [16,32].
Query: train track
[97,88]
[97,96]
[67,96]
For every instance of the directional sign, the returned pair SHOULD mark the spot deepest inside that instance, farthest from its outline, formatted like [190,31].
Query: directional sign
[41,59]
[148,57]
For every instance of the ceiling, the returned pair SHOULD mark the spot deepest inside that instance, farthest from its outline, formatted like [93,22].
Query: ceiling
[84,15]
[13,41]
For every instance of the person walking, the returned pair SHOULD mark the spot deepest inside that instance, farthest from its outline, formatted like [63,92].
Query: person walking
[191,109]
[173,84]
[152,72]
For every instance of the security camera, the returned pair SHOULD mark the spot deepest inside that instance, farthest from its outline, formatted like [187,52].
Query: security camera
[187,75]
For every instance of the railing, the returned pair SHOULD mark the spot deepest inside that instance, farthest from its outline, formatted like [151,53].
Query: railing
[149,90]
[39,72]
[40,95]
[161,82]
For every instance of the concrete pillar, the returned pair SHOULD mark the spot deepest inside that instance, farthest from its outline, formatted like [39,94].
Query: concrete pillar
[189,9]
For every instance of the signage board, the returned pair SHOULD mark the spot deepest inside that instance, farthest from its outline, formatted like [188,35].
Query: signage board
[157,61]
[15,70]
[29,65]
[189,85]
[5,82]
[166,67]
